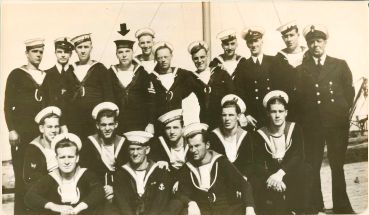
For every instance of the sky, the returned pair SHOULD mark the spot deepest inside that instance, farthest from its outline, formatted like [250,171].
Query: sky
[179,23]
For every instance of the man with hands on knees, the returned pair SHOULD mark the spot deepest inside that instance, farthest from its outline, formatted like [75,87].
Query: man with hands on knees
[70,189]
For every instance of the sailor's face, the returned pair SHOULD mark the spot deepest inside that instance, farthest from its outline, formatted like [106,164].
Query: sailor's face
[34,56]
[317,46]
[146,42]
[200,59]
[173,130]
[164,58]
[197,147]
[291,39]
[229,118]
[137,153]
[50,128]
[125,56]
[277,114]
[62,56]
[67,159]
[255,46]
[83,51]
[106,127]
[230,47]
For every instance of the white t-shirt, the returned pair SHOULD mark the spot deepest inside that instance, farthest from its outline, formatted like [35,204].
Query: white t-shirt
[107,155]
[125,77]
[37,75]
[167,80]
[280,146]
[149,65]
[230,66]
[81,71]
[204,171]
[177,157]
[140,178]
[205,75]
[231,148]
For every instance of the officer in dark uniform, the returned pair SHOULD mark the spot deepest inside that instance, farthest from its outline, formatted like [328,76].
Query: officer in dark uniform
[326,92]
[23,100]
[131,84]
[214,84]
[284,69]
[256,81]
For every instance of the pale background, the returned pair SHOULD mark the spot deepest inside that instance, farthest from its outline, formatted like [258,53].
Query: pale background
[177,22]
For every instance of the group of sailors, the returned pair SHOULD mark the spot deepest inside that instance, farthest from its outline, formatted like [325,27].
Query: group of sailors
[86,139]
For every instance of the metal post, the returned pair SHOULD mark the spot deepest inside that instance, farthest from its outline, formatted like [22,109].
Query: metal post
[206,31]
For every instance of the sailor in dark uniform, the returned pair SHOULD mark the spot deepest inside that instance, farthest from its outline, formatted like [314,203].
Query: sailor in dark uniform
[145,37]
[256,82]
[214,83]
[39,157]
[280,179]
[171,147]
[209,184]
[140,186]
[54,86]
[86,86]
[229,139]
[131,85]
[326,91]
[284,68]
[23,100]
[70,189]
[105,151]
[170,85]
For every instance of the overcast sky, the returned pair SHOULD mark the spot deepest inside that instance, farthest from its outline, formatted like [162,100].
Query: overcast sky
[179,23]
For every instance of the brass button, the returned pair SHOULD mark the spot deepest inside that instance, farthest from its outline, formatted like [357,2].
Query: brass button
[268,88]
[316,85]
[256,90]
[257,98]
[330,83]
[318,102]
[332,100]
[317,93]
[331,91]
[255,82]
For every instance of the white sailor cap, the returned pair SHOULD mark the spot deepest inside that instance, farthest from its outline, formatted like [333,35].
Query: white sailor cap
[104,106]
[66,136]
[162,44]
[34,43]
[252,33]
[138,137]
[48,111]
[64,43]
[171,116]
[197,45]
[81,38]
[287,27]
[227,35]
[144,31]
[315,31]
[194,128]
[232,97]
[274,94]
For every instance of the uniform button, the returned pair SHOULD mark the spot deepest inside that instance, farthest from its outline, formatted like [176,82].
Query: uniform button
[331,91]
[316,85]
[317,93]
[268,88]
[330,83]
[332,100]
[318,102]
[256,90]
[267,79]
[257,98]
[255,82]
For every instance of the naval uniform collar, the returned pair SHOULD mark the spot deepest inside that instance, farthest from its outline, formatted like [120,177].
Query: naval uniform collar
[59,67]
[322,59]
[259,57]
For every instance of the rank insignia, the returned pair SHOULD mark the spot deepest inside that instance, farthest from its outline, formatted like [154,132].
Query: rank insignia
[33,165]
[161,186]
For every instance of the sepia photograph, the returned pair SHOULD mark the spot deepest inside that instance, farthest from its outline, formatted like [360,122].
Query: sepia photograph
[184,107]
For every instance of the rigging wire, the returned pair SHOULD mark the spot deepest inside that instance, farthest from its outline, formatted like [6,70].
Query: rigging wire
[156,12]
[112,29]
[276,12]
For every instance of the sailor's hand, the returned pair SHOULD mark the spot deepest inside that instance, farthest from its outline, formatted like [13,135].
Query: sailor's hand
[62,209]
[275,180]
[163,164]
[108,192]
[250,211]
[193,208]
[80,207]
[14,138]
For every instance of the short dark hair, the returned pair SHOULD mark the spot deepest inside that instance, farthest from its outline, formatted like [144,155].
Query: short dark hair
[64,144]
[106,113]
[197,48]
[162,47]
[232,103]
[277,100]
[204,134]
[51,115]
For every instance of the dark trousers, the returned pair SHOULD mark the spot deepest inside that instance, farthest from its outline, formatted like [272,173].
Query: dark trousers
[17,162]
[336,138]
